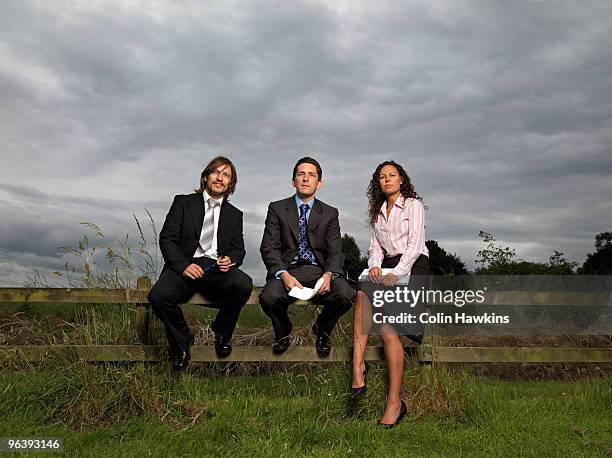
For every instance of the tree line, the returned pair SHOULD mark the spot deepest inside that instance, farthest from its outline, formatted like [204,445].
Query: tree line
[496,259]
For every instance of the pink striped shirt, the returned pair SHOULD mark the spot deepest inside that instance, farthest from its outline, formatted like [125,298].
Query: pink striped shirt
[402,233]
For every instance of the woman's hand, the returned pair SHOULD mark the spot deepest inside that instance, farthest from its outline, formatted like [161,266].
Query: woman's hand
[375,274]
[390,279]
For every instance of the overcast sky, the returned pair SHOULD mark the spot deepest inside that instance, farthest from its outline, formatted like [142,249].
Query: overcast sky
[500,110]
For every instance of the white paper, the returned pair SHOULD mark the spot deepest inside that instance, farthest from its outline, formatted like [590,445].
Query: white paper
[306,293]
[402,280]
[364,274]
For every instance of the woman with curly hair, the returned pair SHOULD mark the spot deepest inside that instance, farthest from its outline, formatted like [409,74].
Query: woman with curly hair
[397,242]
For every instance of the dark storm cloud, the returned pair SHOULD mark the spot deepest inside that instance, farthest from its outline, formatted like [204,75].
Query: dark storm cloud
[499,110]
[36,227]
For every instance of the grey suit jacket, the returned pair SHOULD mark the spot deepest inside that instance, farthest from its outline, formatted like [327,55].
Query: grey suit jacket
[279,244]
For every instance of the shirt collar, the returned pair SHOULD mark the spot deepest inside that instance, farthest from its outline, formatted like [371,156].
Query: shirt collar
[206,196]
[299,202]
[400,202]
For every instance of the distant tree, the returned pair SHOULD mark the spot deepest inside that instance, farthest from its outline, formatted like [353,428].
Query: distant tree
[600,262]
[354,263]
[603,240]
[558,265]
[443,263]
[496,259]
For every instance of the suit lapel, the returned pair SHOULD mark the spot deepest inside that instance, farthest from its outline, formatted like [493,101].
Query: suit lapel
[224,227]
[196,205]
[314,219]
[292,216]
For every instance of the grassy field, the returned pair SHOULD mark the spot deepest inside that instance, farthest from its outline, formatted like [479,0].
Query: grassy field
[276,409]
[143,410]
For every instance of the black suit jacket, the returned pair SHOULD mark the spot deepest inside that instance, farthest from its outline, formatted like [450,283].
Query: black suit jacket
[279,244]
[180,236]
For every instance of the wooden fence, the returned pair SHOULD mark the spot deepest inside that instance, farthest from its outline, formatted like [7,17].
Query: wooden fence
[426,353]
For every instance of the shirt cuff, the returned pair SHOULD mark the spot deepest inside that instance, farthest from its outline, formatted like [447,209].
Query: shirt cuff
[398,273]
[404,267]
[278,274]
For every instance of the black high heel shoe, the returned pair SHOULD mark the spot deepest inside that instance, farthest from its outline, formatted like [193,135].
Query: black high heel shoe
[360,390]
[402,413]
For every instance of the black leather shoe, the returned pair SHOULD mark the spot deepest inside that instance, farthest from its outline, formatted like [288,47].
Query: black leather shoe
[418,339]
[322,343]
[361,390]
[180,360]
[402,414]
[223,347]
[280,346]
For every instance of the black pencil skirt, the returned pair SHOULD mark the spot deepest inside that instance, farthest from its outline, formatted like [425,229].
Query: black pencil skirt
[402,313]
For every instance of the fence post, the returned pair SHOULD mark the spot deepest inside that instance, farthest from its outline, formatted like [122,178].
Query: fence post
[430,338]
[143,312]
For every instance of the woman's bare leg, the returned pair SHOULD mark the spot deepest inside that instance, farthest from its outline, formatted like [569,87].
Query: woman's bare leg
[394,354]
[362,321]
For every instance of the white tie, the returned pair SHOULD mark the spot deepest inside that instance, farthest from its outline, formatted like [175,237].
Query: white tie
[208,225]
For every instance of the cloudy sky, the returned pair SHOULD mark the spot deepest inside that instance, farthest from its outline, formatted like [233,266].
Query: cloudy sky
[500,110]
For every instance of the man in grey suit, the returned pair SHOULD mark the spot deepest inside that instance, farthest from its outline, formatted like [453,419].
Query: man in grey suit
[302,243]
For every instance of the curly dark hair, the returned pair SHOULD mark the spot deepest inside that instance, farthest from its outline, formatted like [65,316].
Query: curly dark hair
[376,196]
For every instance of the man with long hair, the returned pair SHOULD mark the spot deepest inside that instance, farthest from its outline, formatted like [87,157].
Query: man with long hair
[202,245]
[301,244]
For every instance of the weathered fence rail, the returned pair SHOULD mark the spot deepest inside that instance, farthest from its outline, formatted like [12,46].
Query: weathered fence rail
[428,352]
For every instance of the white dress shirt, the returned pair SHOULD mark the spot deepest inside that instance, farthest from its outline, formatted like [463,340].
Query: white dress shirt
[402,233]
[212,251]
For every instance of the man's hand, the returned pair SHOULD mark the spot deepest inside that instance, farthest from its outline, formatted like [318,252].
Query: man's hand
[375,274]
[290,281]
[224,263]
[390,279]
[326,286]
[193,271]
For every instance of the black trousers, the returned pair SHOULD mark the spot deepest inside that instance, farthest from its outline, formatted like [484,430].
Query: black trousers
[228,291]
[274,300]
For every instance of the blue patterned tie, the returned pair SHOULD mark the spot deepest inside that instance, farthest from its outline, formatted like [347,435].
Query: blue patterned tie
[305,254]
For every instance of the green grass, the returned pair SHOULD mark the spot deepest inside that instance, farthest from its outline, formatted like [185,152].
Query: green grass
[143,410]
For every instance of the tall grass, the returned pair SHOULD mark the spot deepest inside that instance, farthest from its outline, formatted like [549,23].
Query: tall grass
[105,325]
[96,261]
[99,262]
